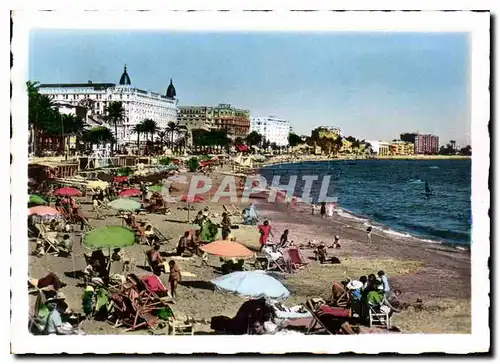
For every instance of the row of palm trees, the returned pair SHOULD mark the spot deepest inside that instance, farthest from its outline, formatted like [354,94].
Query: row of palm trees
[149,127]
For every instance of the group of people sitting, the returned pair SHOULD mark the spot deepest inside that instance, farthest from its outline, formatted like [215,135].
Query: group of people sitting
[373,291]
[52,314]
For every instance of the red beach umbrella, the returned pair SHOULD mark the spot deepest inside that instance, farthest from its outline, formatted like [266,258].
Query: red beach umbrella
[191,198]
[43,211]
[130,192]
[67,191]
[120,179]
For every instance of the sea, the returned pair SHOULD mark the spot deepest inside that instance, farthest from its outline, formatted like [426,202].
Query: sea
[390,194]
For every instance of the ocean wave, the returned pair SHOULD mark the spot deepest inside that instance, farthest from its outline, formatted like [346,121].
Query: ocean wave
[350,215]
[434,167]
[416,181]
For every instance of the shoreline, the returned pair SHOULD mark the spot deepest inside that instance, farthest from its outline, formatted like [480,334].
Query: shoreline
[312,158]
[377,225]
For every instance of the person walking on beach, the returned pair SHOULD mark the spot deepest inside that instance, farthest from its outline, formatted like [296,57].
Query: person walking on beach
[265,231]
[369,234]
[174,277]
[322,210]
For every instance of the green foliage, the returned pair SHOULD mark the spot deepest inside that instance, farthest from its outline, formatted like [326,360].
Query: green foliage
[165,161]
[125,171]
[43,115]
[294,139]
[99,135]
[254,138]
[193,164]
[210,138]
[149,126]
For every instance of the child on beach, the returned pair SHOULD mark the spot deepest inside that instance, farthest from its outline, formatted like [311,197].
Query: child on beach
[174,278]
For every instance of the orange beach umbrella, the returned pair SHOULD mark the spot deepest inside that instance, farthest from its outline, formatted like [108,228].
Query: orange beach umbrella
[228,249]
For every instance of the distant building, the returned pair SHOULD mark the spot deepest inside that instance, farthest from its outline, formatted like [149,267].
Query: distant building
[423,143]
[137,103]
[274,129]
[220,117]
[384,148]
[400,147]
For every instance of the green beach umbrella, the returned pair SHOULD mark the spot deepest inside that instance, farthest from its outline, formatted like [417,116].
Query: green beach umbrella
[155,188]
[125,204]
[109,237]
[36,200]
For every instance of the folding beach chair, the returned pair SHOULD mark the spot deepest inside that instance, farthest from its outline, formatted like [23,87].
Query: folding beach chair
[296,258]
[329,318]
[236,211]
[340,295]
[161,238]
[227,211]
[379,316]
[51,245]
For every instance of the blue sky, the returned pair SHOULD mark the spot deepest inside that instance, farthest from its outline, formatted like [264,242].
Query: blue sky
[372,85]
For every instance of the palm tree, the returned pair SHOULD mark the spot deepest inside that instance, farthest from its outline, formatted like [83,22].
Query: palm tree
[115,114]
[150,126]
[161,137]
[171,128]
[42,114]
[99,135]
[138,129]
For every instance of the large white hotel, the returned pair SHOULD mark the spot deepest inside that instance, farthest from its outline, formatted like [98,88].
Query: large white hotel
[137,103]
[274,129]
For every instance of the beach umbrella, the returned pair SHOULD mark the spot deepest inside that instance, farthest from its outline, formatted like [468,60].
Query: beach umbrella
[43,211]
[252,284]
[130,192]
[125,204]
[227,249]
[109,237]
[67,191]
[120,179]
[36,200]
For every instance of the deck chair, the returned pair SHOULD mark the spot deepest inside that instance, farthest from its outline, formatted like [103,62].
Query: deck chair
[162,238]
[340,295]
[51,245]
[329,318]
[296,257]
[227,211]
[272,261]
[235,211]
[379,316]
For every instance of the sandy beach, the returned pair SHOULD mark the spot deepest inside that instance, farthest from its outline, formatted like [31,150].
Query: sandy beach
[434,280]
